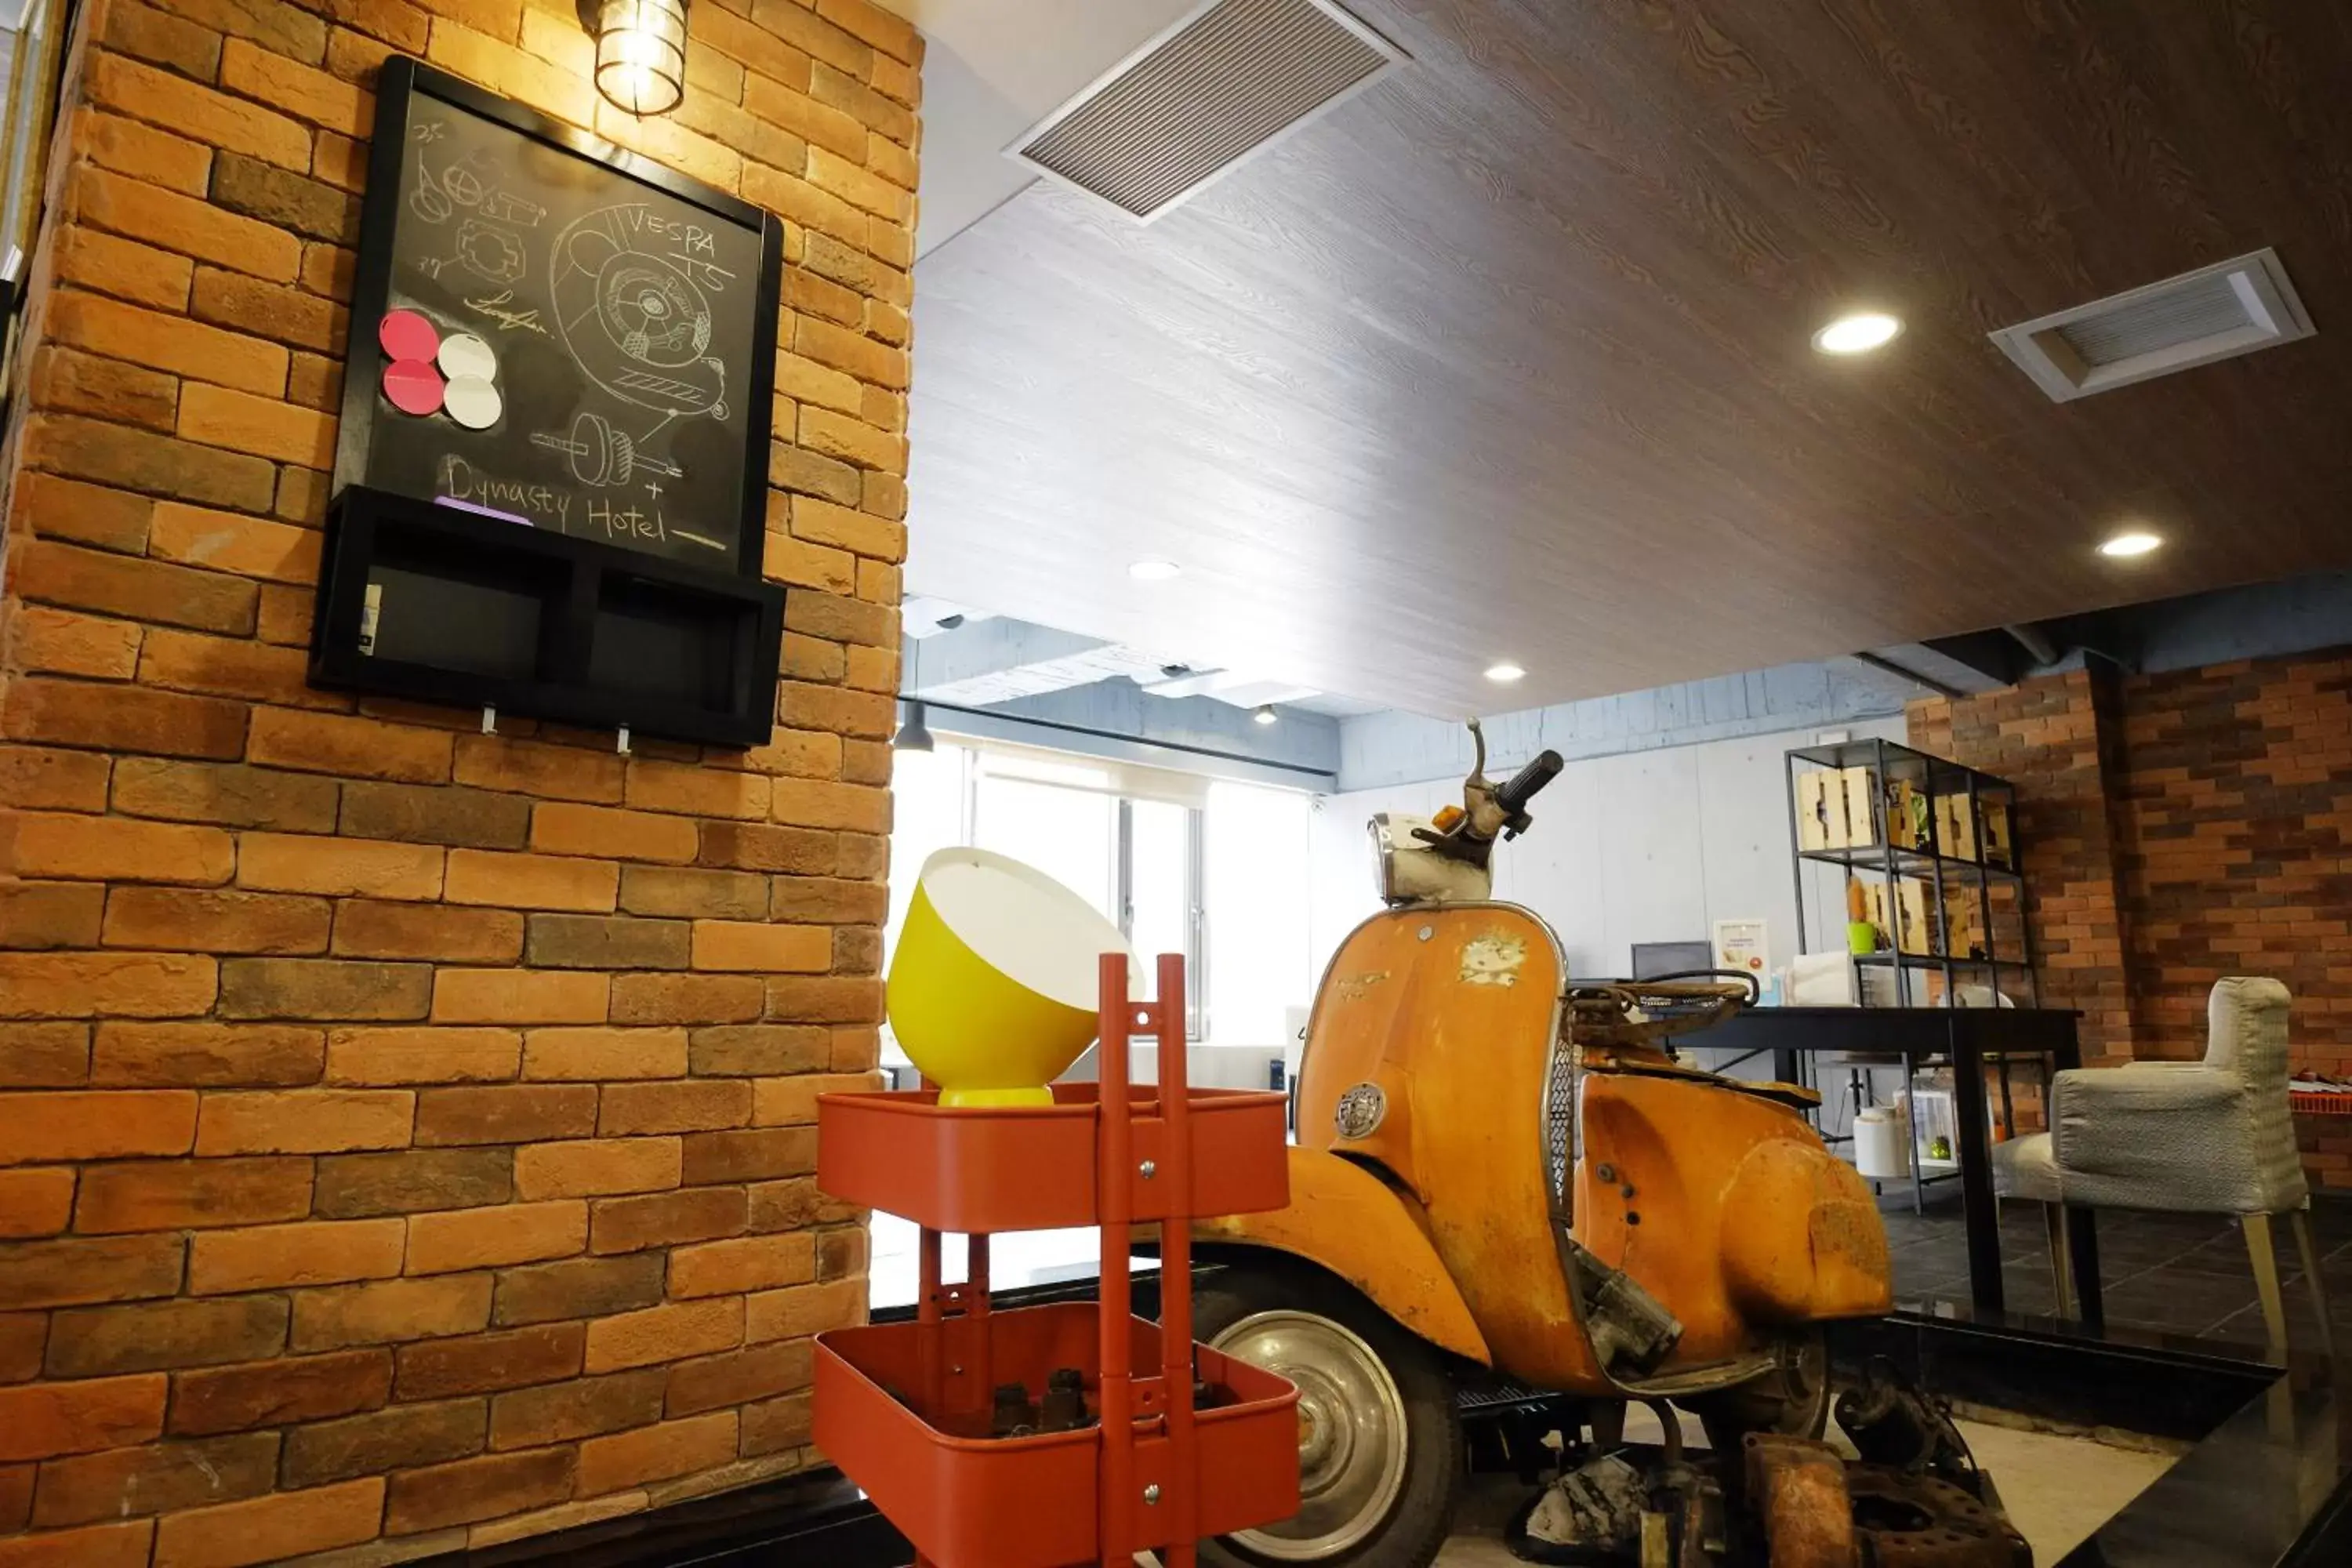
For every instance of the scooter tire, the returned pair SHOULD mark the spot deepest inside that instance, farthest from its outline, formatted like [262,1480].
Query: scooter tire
[1413,1529]
[1793,1401]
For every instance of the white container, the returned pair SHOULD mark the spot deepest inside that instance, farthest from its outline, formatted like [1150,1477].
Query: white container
[1882,1144]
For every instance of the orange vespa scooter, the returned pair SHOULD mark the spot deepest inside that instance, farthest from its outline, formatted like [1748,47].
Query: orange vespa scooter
[1503,1175]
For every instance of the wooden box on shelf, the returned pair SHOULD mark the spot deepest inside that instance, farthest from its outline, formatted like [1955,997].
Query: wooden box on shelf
[1837,809]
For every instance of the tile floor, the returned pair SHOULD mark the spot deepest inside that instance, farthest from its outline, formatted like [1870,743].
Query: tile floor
[2176,1274]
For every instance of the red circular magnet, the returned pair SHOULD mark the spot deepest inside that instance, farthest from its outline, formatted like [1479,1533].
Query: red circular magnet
[414,386]
[406,334]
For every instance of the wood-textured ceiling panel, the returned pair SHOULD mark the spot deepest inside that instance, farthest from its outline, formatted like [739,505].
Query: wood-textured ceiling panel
[1510,356]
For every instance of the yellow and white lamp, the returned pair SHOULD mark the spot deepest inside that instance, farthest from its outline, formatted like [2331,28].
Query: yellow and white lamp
[994,988]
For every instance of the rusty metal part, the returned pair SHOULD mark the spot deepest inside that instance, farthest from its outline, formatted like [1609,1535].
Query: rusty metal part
[1655,1063]
[1631,1331]
[1704,1540]
[1595,1509]
[1685,1501]
[1918,1521]
[1657,1541]
[1894,1424]
[1641,1013]
[1797,1492]
[1670,1433]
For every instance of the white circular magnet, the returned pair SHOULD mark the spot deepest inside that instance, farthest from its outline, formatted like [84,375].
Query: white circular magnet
[465,354]
[472,402]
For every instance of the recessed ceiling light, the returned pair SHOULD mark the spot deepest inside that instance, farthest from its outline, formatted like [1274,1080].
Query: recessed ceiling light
[2124,545]
[1505,673]
[1858,333]
[1265,714]
[1152,569]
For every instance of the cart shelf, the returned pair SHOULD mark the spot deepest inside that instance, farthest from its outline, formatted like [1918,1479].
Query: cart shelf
[1034,1167]
[1183,1442]
[967,1500]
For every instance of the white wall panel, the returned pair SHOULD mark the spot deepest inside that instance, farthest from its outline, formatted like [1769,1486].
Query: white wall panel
[1555,868]
[1651,869]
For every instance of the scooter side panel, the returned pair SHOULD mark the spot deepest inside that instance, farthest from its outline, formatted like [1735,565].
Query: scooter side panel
[1802,1240]
[1359,1046]
[1723,1207]
[1347,1220]
[1444,1019]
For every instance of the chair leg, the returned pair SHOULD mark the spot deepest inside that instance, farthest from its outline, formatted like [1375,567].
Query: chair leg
[2301,1220]
[2266,1280]
[2062,1270]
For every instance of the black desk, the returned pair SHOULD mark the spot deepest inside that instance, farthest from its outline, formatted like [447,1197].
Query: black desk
[1970,1038]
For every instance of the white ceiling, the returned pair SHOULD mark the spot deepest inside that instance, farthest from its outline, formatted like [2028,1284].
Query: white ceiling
[1333,706]
[991,70]
[1509,356]
[995,68]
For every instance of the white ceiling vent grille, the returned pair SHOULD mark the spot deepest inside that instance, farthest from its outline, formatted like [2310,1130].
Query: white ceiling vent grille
[1223,84]
[2215,312]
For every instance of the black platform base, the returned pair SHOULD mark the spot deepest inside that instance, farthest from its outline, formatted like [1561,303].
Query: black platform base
[2267,1484]
[812,1520]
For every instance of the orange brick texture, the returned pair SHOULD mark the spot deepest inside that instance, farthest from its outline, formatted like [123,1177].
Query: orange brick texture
[405,1133]
[2177,829]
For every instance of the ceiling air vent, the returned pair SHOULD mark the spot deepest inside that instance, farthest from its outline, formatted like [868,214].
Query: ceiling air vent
[2215,312]
[1225,83]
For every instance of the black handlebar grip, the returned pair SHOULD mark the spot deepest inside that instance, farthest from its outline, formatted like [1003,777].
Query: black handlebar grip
[1528,782]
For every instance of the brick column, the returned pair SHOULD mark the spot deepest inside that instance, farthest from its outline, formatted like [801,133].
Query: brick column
[406,1132]
[2057,739]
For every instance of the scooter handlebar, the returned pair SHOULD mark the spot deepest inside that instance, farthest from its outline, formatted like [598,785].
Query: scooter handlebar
[1528,782]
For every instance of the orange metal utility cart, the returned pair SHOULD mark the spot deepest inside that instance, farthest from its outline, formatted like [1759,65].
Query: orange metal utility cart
[905,1409]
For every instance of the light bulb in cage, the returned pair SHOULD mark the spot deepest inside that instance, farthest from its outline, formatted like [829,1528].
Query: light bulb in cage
[641,54]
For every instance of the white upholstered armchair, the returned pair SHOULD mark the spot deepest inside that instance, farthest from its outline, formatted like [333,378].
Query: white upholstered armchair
[2211,1137]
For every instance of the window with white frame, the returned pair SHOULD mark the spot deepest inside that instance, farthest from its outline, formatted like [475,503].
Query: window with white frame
[1218,871]
[1256,871]
[1215,871]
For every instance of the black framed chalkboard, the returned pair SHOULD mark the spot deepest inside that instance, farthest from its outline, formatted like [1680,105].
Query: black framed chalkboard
[547,330]
[550,483]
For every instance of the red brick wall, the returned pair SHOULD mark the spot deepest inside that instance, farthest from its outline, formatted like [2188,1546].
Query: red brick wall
[2049,738]
[405,1133]
[2177,829]
[2237,789]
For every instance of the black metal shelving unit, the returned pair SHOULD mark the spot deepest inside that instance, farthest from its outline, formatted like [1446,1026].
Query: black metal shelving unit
[1891,763]
[2002,968]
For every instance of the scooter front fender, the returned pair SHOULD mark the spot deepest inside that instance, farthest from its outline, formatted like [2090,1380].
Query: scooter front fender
[1345,1219]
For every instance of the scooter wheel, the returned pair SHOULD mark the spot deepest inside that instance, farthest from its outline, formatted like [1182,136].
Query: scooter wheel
[1792,1400]
[1380,1442]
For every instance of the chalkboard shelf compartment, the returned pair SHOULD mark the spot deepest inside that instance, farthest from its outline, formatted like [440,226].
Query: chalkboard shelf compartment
[440,604]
